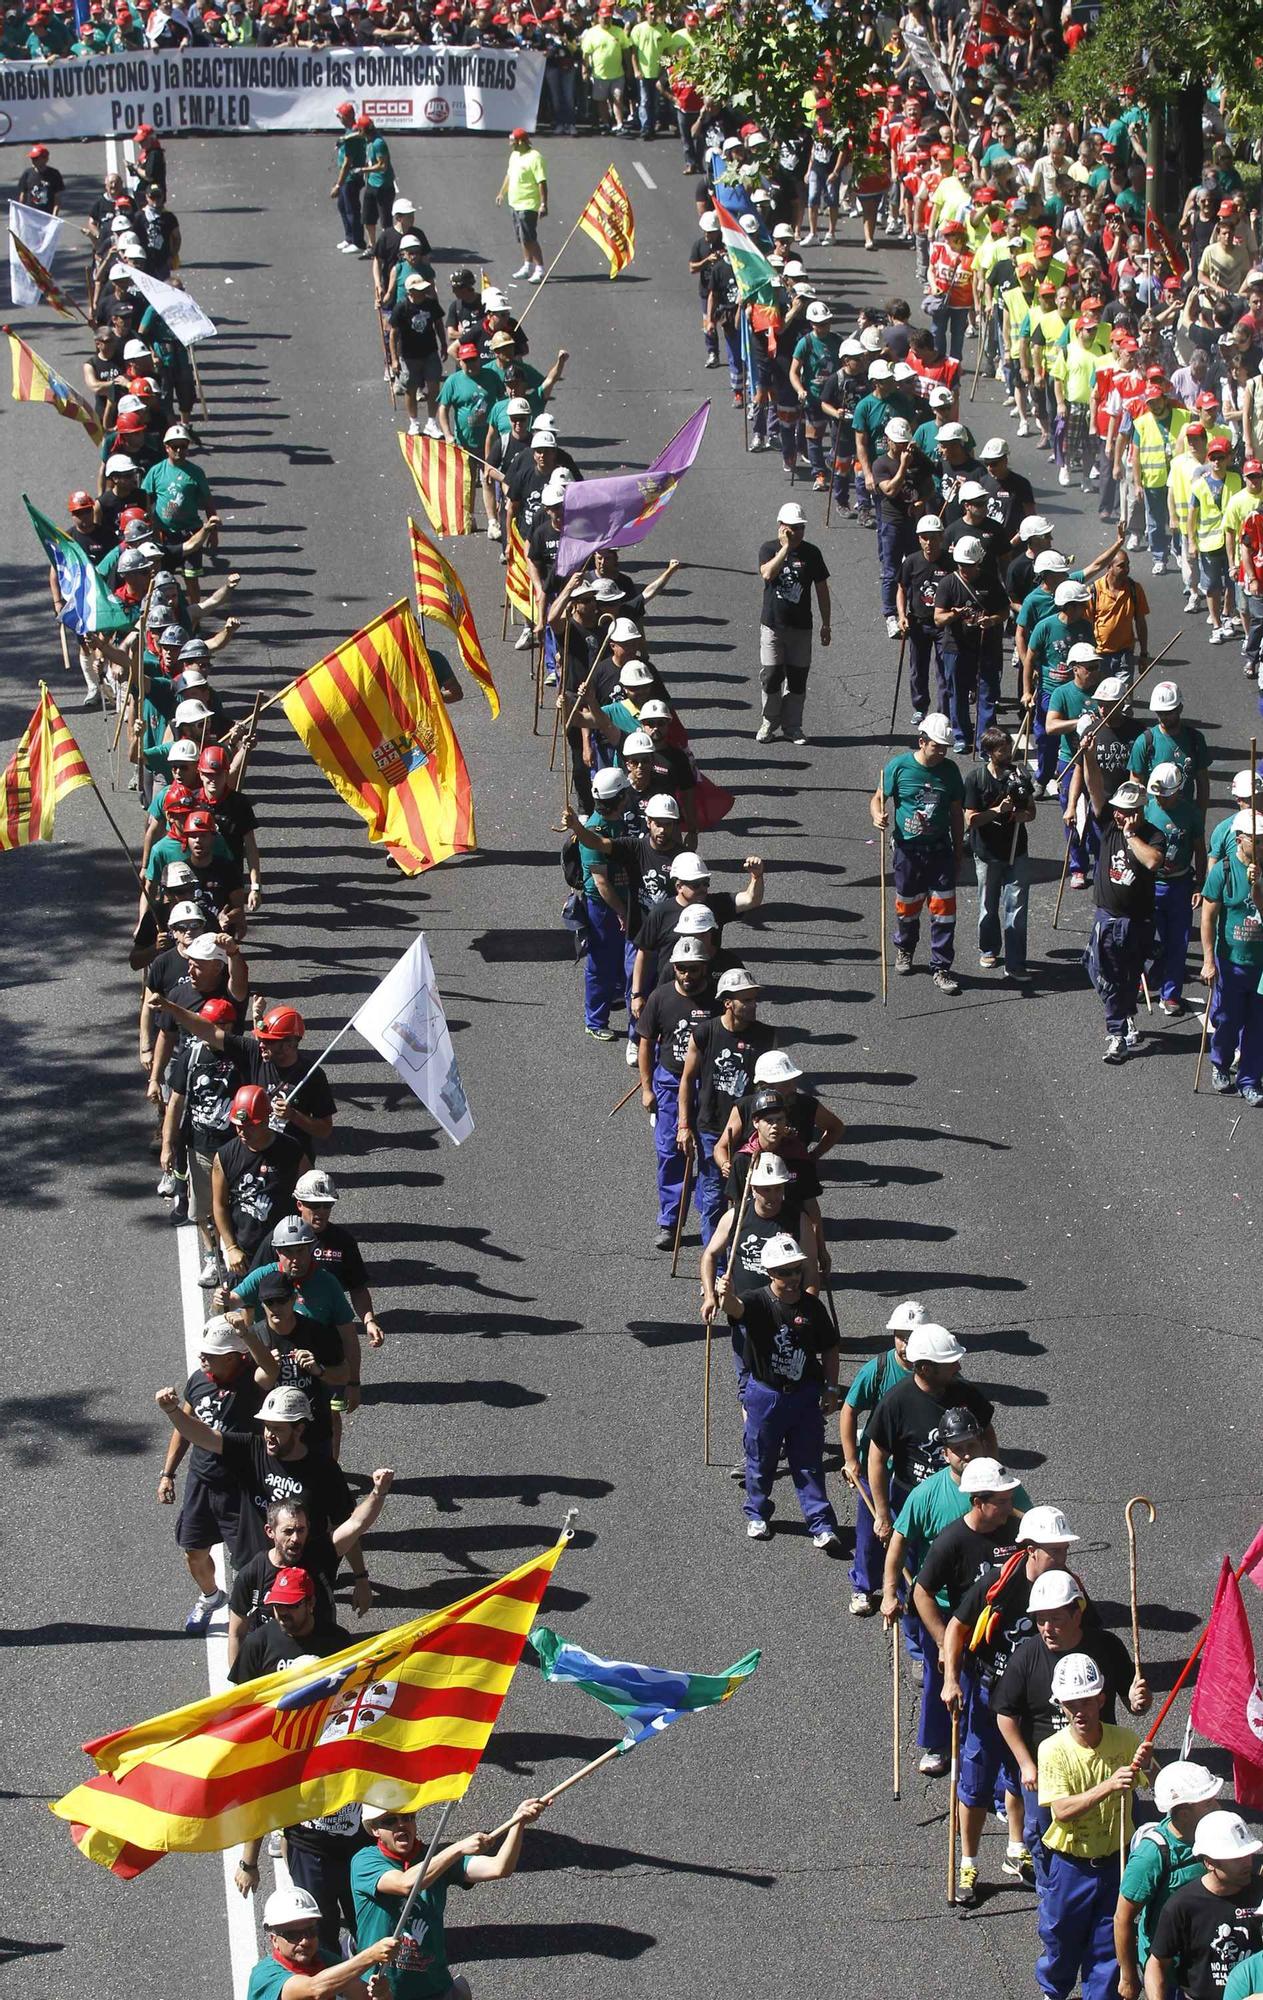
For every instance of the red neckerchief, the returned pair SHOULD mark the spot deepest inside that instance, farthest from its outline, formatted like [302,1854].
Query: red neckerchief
[387,1855]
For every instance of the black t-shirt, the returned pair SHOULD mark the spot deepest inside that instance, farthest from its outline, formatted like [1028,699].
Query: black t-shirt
[981,594]
[1008,505]
[723,295]
[179,987]
[784,1343]
[525,485]
[1024,1690]
[225,1406]
[667,1021]
[906,1422]
[921,577]
[213,886]
[252,1581]
[986,584]
[324,1343]
[728,1056]
[337,1252]
[952,477]
[316,1099]
[234,818]
[542,546]
[745,1257]
[207,1082]
[1020,579]
[464,318]
[959,1555]
[991,840]
[269,1648]
[419,325]
[658,922]
[705,246]
[1123,887]
[315,1481]
[260,1185]
[1206,1935]
[787,599]
[40,187]
[804,1181]
[801,1109]
[918,494]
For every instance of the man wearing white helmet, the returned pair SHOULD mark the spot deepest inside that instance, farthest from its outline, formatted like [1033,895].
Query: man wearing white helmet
[718,1071]
[1048,666]
[854,1423]
[1232,960]
[298,1967]
[1223,837]
[1088,1771]
[1068,702]
[1214,1923]
[905,1436]
[922,790]
[220,1392]
[791,568]
[675,1007]
[811,369]
[773,1209]
[920,575]
[1160,1862]
[970,613]
[605,889]
[790,1379]
[1182,824]
[1121,940]
[839,402]
[707,251]
[1171,740]
[903,490]
[999,804]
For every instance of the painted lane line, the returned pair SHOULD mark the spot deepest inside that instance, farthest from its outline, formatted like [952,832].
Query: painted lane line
[645,176]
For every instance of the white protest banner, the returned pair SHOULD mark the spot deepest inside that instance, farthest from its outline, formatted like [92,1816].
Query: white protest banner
[921,49]
[39,232]
[181,312]
[403,1018]
[270,90]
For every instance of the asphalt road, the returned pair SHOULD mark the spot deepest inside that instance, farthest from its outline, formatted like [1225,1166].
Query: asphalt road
[1088,1232]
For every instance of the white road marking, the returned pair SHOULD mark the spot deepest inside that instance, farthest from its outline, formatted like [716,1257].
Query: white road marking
[645,176]
[111,156]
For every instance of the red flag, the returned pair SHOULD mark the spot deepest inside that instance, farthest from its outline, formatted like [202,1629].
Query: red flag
[1228,1701]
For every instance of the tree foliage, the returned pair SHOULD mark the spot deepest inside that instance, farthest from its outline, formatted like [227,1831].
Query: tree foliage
[1163,47]
[761,60]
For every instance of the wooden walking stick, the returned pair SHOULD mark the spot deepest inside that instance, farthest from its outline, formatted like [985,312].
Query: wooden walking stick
[1061,890]
[833,468]
[894,706]
[1137,1500]
[684,1202]
[881,864]
[626,1098]
[894,1704]
[953,1810]
[1201,1053]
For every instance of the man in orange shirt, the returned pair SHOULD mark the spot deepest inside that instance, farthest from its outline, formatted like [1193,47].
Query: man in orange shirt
[1119,611]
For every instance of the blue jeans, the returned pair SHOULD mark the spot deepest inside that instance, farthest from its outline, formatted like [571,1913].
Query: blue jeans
[868,1567]
[1003,892]
[1157,533]
[349,196]
[1047,748]
[666,1090]
[603,977]
[924,645]
[990,671]
[949,324]
[647,87]
[684,122]
[960,671]
[709,1188]
[934,1728]
[1076,1927]
[1173,921]
[895,540]
[560,87]
[1082,859]
[789,1418]
[1236,1022]
[1252,609]
[1115,957]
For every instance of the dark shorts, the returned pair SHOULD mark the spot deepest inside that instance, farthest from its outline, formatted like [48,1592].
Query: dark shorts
[419,374]
[207,1517]
[378,203]
[526,225]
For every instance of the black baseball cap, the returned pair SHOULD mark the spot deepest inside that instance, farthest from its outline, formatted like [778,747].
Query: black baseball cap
[276,1286]
[767,1100]
[958,1426]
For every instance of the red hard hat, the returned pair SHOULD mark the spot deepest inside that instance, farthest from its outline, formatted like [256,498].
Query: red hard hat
[177,800]
[80,503]
[221,1013]
[279,1023]
[250,1106]
[126,515]
[213,758]
[200,822]
[129,425]
[38,153]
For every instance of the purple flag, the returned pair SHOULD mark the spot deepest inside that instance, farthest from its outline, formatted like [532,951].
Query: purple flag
[605,513]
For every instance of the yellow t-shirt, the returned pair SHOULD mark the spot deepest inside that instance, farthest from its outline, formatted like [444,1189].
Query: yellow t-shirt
[1239,507]
[527,174]
[1066,1768]
[604,47]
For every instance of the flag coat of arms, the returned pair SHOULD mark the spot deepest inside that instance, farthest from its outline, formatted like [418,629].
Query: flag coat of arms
[371,715]
[398,1719]
[42,279]
[444,478]
[35,382]
[46,765]
[609,221]
[442,595]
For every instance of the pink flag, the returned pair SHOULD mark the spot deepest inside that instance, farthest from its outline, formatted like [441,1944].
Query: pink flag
[1227,1701]
[1251,1566]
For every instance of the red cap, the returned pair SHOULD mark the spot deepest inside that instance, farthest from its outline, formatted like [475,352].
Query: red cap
[1194,430]
[1219,446]
[1156,374]
[346,110]
[1047,285]
[144,132]
[290,1586]
[1128,343]
[1207,400]
[38,153]
[221,1012]
[1252,469]
[1154,394]
[951,228]
[80,503]
[363,122]
[1045,235]
[1226,211]
[467,351]
[519,132]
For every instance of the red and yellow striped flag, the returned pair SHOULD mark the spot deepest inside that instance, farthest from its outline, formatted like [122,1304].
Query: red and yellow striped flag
[517,578]
[609,221]
[371,715]
[46,765]
[441,595]
[35,382]
[42,279]
[444,476]
[401,1719]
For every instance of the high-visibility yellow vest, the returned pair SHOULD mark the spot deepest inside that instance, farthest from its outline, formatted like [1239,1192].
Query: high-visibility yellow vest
[1210,510]
[1154,446]
[1017,306]
[1052,326]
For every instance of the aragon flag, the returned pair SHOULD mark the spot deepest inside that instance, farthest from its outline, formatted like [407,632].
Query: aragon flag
[400,1719]
[371,715]
[609,221]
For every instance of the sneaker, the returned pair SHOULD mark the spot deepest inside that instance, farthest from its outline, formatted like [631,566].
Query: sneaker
[1231,625]
[524,270]
[276,1846]
[349,249]
[1159,566]
[1095,473]
[892,627]
[633,1054]
[932,1764]
[344,245]
[1063,476]
[945,982]
[828,240]
[96,700]
[799,740]
[988,961]
[168,1185]
[1132,544]
[711,361]
[806,238]
[1133,1036]
[758,1531]
[208,1276]
[967,1884]
[1077,881]
[537,275]
[866,518]
[664,1240]
[364,254]
[200,1616]
[903,961]
[1218,634]
[958,743]
[763,734]
[414,428]
[1190,600]
[1017,1862]
[827,1538]
[431,429]
[1220,1080]
[1171,1008]
[861,1604]
[1249,1094]
[1023,429]
[493,531]
[821,485]
[600,1034]
[1115,1050]
[1051,789]
[524,638]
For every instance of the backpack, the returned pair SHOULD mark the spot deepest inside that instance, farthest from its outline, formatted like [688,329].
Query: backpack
[571,863]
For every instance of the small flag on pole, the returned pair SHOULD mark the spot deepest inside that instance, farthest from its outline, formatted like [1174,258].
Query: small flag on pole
[756,280]
[1227,1701]
[87,604]
[42,279]
[35,382]
[648,1699]
[444,476]
[517,577]
[609,221]
[46,765]
[403,1018]
[442,595]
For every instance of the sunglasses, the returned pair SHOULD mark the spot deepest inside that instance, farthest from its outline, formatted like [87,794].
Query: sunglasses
[293,1932]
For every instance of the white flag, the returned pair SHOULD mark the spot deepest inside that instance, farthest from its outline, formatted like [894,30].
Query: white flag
[180,310]
[403,1018]
[39,232]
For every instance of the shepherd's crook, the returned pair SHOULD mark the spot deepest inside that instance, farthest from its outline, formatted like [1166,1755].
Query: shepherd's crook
[1138,1500]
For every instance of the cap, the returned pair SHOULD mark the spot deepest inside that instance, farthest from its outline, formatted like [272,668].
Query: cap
[968,550]
[1165,780]
[1043,1525]
[779,1252]
[1165,697]
[290,1586]
[694,920]
[689,951]
[936,727]
[993,448]
[661,806]
[1219,447]
[1224,1836]
[906,1316]
[467,350]
[284,1406]
[1054,1591]
[1071,592]
[1083,655]
[930,524]
[220,1336]
[934,1344]
[1032,526]
[987,1475]
[688,867]
[1251,468]
[289,1906]
[291,1233]
[737,980]
[769,1170]
[791,516]
[775,1067]
[1076,1677]
[518,132]
[1185,1784]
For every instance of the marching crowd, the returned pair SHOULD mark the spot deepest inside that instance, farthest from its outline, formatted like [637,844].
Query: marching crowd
[1137,379]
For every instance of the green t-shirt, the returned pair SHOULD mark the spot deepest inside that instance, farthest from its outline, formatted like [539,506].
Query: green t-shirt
[1066,700]
[604,48]
[267,1978]
[1049,644]
[180,493]
[923,798]
[1189,754]
[1156,1867]
[1223,840]
[377,159]
[351,149]
[883,1372]
[872,414]
[169,849]
[1245,1978]
[420,1971]
[931,1507]
[1182,823]
[1240,937]
[817,358]
[469,398]
[651,40]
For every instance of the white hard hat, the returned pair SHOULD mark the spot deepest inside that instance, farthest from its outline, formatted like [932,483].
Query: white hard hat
[689,951]
[655,711]
[1185,1784]
[494,301]
[1076,1677]
[987,1475]
[608,784]
[930,524]
[818,312]
[1241,784]
[791,515]
[190,711]
[973,489]
[940,397]
[1033,526]
[903,373]
[316,1186]
[1042,1525]
[769,1170]
[186,913]
[625,632]
[119,462]
[638,744]
[1112,688]
[783,232]
[904,1317]
[1081,654]
[851,348]
[952,433]
[711,221]
[1053,1591]
[1049,560]
[1164,781]
[870,340]
[220,1336]
[1224,1836]
[929,1342]
[635,675]
[662,806]
[182,751]
[1165,697]
[695,919]
[284,1406]
[898,431]
[1071,592]
[554,490]
[735,980]
[774,1067]
[781,1251]
[688,867]
[748,222]
[374,1815]
[881,371]
[936,727]
[288,1906]
[969,550]
[1129,797]
[993,448]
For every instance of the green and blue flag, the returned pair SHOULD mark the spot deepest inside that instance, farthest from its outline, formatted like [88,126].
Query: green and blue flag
[87,604]
[648,1699]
